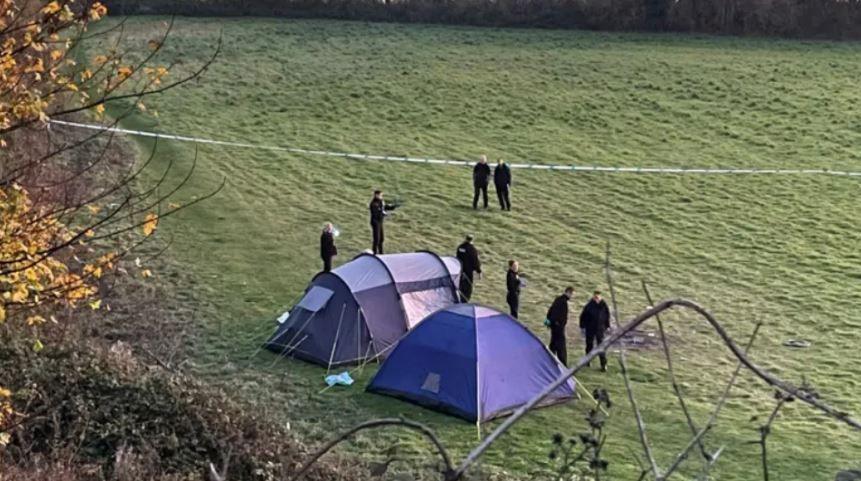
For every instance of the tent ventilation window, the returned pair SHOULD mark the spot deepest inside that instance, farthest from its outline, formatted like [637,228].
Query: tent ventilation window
[316,299]
[431,383]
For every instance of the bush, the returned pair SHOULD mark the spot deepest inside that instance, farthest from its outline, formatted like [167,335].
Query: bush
[99,414]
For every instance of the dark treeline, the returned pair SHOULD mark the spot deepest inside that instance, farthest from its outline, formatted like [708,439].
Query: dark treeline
[834,19]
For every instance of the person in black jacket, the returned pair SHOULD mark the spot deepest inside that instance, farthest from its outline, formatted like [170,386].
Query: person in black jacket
[327,246]
[378,210]
[594,322]
[512,287]
[557,318]
[467,254]
[480,179]
[502,182]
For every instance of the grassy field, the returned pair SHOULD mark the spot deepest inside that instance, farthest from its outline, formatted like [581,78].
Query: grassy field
[782,250]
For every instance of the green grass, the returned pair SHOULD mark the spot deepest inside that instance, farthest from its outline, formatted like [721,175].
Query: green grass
[782,250]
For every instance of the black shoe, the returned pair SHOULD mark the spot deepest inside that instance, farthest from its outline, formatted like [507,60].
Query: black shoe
[603,368]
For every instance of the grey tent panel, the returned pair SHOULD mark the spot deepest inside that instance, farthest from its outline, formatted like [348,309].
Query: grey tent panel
[316,298]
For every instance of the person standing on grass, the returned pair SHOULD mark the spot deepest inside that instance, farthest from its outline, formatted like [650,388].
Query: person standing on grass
[557,319]
[594,322]
[480,179]
[502,182]
[328,250]
[512,286]
[378,215]
[467,254]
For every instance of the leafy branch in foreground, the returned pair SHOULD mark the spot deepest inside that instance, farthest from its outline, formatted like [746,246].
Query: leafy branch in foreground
[72,207]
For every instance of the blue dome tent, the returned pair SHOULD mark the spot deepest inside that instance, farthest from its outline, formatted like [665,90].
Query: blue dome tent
[470,361]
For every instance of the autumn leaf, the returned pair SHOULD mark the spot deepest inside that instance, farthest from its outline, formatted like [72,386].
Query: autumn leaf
[56,55]
[173,205]
[100,109]
[146,273]
[38,346]
[5,392]
[97,11]
[95,305]
[51,8]
[94,209]
[2,313]
[35,320]
[125,72]
[154,44]
[150,224]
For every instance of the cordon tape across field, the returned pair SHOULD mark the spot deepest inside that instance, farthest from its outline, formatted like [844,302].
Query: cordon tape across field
[423,160]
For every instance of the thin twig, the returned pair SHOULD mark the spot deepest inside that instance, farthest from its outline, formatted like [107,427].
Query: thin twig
[764,431]
[676,389]
[682,456]
[638,416]
[377,423]
[662,306]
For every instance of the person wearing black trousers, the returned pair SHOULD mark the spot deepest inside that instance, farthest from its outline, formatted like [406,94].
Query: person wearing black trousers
[594,322]
[378,210]
[467,254]
[512,286]
[502,182]
[480,179]
[328,250]
[557,317]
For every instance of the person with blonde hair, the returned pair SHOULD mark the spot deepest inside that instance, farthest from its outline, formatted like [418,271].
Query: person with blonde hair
[328,250]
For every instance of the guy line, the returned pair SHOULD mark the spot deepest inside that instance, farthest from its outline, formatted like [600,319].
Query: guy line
[423,160]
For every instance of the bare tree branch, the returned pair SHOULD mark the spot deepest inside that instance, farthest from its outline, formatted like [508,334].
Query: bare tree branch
[638,416]
[377,423]
[770,379]
[676,389]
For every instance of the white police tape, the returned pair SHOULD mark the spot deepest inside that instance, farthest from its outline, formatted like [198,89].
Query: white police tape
[576,168]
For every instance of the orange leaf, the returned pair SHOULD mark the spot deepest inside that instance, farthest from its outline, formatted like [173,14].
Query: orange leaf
[51,8]
[150,225]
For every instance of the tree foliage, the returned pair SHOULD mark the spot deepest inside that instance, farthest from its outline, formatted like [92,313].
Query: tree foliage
[840,19]
[67,216]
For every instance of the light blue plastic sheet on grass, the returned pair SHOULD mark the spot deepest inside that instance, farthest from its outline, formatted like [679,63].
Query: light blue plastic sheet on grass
[343,379]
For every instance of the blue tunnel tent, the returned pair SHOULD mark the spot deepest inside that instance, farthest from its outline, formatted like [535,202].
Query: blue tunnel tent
[361,308]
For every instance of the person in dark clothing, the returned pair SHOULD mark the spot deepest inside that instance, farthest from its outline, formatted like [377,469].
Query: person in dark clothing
[512,286]
[480,179]
[327,246]
[378,210]
[594,322]
[467,254]
[502,182]
[557,318]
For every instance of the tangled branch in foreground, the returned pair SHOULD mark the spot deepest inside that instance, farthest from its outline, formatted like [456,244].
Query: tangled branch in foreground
[454,474]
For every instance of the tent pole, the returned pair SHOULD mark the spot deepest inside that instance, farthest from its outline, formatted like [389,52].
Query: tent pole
[358,332]
[335,344]
[261,329]
[287,345]
[477,379]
